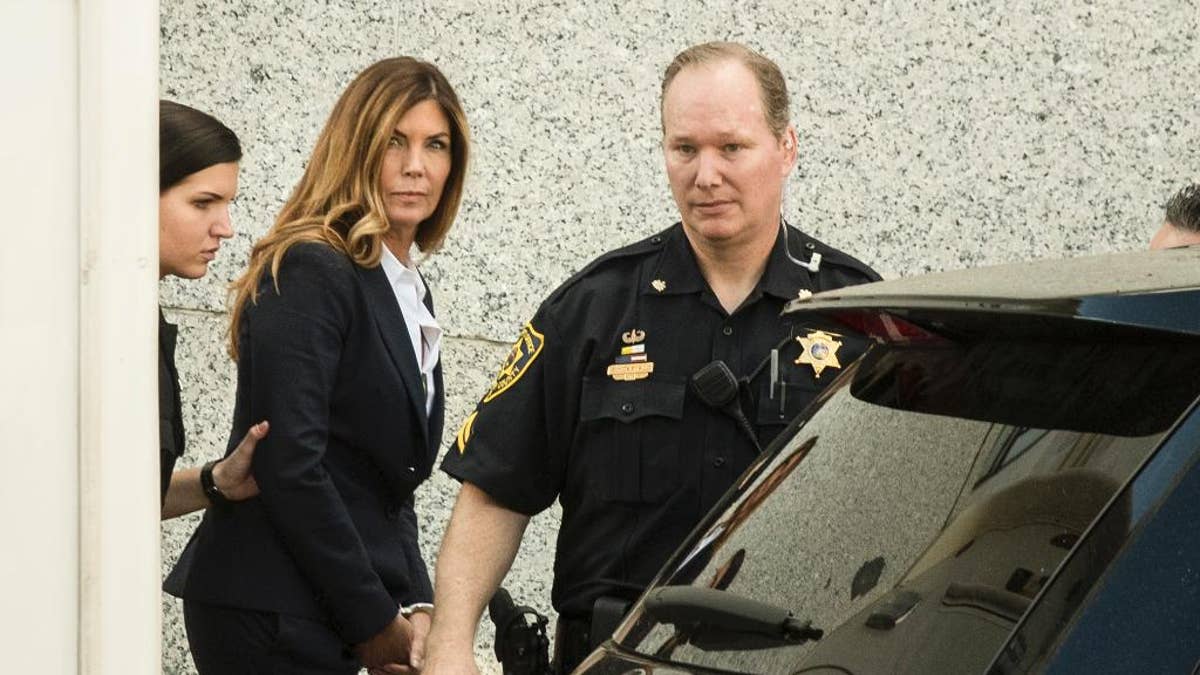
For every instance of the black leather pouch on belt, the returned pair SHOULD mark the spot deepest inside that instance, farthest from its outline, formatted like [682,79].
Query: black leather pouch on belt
[606,615]
[576,638]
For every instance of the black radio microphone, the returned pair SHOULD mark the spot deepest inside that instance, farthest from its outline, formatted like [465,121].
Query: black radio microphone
[718,388]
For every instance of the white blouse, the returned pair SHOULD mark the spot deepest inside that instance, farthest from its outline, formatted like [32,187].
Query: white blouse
[423,329]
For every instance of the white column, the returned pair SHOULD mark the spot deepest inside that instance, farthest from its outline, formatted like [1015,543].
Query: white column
[119,631]
[78,436]
[39,338]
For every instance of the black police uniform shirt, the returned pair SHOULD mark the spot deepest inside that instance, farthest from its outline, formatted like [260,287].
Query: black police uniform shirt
[593,404]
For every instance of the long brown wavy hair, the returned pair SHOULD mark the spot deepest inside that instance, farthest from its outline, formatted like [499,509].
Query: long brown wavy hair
[337,201]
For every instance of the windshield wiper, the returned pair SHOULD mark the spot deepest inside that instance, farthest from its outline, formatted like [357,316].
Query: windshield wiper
[710,619]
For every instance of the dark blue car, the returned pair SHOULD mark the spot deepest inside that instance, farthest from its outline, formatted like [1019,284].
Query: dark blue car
[1006,482]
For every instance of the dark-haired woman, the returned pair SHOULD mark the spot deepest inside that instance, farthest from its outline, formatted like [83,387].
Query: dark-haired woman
[197,178]
[334,333]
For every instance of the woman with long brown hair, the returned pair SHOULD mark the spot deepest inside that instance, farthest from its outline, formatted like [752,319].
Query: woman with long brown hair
[197,179]
[336,343]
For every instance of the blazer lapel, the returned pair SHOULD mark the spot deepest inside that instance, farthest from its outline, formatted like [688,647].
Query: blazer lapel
[437,414]
[392,329]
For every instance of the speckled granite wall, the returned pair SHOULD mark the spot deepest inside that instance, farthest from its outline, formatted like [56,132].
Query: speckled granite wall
[960,134]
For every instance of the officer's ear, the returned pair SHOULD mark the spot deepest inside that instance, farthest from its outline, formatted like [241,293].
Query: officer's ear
[791,149]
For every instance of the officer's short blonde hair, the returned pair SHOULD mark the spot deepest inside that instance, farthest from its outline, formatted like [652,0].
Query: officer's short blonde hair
[771,84]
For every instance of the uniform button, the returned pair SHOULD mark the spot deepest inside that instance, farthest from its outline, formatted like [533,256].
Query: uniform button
[728,330]
[719,462]
[809,245]
[627,408]
[656,239]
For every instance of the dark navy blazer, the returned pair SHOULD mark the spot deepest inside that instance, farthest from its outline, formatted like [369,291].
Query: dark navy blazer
[326,358]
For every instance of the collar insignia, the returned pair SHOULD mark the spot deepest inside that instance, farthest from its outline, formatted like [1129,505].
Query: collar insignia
[659,285]
[819,350]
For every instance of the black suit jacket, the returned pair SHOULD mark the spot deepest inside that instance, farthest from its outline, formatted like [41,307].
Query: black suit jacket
[326,358]
[170,412]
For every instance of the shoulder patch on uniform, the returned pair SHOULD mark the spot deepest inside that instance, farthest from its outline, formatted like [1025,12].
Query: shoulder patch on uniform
[524,352]
[464,432]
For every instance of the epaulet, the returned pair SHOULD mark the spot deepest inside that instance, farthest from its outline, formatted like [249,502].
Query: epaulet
[832,256]
[649,245]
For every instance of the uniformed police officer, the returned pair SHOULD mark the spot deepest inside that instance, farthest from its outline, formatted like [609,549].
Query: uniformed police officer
[593,405]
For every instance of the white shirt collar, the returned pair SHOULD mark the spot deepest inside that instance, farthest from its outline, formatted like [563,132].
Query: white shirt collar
[399,273]
[424,333]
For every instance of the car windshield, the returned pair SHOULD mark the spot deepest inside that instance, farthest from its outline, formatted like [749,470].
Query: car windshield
[922,504]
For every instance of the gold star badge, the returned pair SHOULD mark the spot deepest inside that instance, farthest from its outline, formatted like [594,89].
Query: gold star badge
[819,350]
[659,285]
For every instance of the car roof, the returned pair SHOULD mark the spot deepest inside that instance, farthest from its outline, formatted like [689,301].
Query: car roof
[1159,289]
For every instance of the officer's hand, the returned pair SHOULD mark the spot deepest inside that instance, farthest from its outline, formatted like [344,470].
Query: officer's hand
[232,474]
[441,662]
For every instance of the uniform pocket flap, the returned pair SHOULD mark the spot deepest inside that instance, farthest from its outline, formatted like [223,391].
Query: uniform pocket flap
[603,398]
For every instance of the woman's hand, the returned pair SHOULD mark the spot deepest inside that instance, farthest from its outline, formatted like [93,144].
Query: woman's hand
[232,474]
[420,621]
[389,647]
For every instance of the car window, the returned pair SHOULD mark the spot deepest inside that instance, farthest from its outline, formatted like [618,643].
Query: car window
[1139,613]
[917,511]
